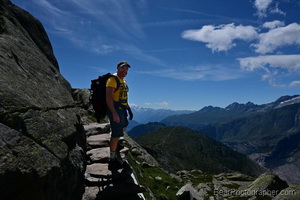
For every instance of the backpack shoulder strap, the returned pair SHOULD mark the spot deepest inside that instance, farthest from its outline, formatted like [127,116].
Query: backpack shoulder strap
[118,82]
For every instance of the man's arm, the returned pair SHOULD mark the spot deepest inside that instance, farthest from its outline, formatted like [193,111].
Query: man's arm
[110,103]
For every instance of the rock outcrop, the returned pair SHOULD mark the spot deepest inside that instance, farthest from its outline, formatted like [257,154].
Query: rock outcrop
[235,186]
[41,136]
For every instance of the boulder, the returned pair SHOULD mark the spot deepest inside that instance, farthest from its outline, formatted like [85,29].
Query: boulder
[42,138]
[188,192]
[266,184]
[82,98]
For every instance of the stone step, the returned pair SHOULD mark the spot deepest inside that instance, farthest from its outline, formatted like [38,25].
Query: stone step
[96,128]
[92,181]
[97,141]
[100,169]
[102,155]
[99,155]
[104,180]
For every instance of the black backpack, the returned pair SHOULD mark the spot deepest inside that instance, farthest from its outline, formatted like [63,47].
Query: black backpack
[98,95]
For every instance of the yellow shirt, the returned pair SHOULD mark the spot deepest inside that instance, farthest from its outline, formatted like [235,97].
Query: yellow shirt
[121,94]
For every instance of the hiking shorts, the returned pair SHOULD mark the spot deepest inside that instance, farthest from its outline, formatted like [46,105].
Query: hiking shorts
[118,128]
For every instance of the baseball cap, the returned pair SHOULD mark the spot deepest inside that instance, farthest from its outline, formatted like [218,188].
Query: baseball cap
[123,63]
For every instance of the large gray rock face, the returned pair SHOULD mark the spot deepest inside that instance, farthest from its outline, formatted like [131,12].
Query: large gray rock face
[41,136]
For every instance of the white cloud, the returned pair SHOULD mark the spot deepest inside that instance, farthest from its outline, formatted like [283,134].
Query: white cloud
[221,38]
[273,24]
[278,37]
[262,6]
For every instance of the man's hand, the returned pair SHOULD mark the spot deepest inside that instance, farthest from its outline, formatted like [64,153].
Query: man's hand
[130,113]
[116,118]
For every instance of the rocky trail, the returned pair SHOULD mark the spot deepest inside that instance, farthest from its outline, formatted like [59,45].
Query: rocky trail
[101,183]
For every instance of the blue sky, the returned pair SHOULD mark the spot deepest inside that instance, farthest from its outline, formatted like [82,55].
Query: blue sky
[185,54]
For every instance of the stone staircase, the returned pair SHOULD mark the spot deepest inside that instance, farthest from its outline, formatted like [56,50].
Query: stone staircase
[101,183]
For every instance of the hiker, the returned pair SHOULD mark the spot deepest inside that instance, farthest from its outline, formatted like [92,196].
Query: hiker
[117,111]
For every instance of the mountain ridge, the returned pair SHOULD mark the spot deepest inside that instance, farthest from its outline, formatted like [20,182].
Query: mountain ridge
[177,148]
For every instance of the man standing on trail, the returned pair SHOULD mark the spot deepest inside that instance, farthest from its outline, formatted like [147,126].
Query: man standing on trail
[117,102]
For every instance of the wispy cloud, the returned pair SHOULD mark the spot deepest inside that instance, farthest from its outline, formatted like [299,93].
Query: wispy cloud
[60,22]
[139,54]
[163,104]
[105,49]
[276,10]
[50,7]
[177,22]
[205,73]
[118,15]
[262,6]
[275,67]
[294,83]
[213,18]
[90,25]
[221,38]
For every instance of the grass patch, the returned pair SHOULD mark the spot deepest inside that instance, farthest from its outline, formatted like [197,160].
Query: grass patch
[157,182]
[198,177]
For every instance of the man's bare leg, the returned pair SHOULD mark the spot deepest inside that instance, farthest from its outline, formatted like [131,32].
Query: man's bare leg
[113,144]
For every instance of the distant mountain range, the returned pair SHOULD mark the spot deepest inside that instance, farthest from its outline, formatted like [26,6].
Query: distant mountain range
[145,115]
[260,131]
[260,126]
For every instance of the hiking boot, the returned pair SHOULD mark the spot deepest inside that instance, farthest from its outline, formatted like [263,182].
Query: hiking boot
[119,157]
[115,164]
